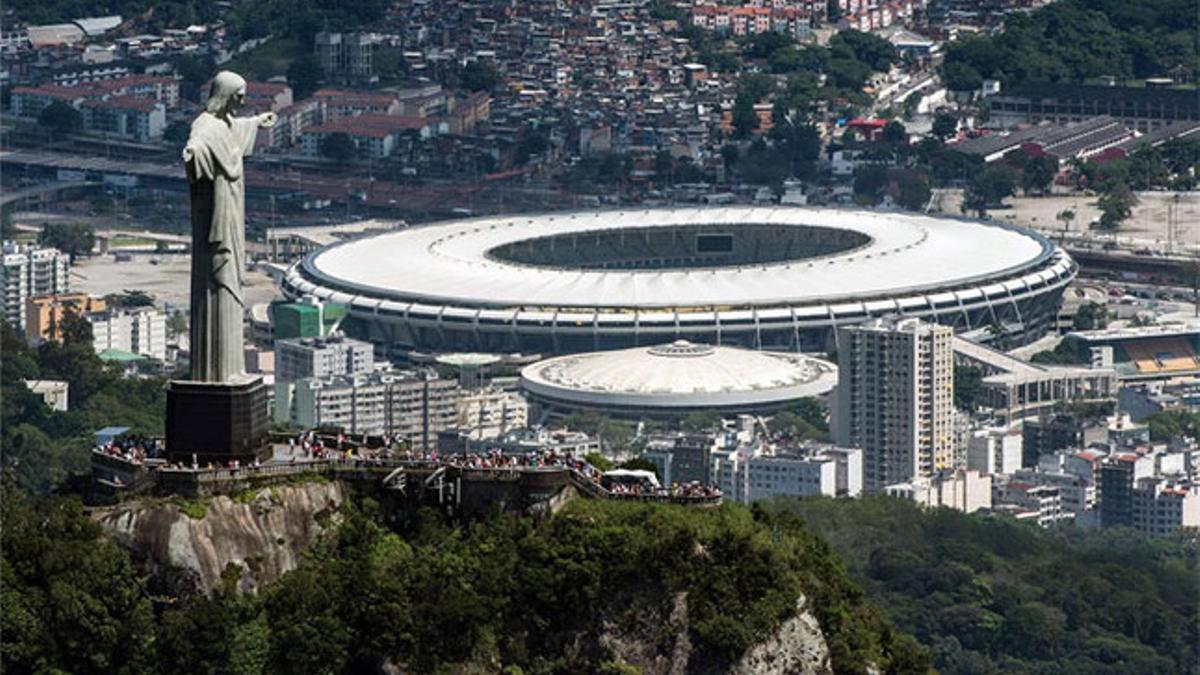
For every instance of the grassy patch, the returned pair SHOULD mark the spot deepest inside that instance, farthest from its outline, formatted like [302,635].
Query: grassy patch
[118,242]
[196,510]
[267,60]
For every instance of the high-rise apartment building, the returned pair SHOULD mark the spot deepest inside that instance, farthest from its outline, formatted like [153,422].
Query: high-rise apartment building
[896,399]
[142,330]
[321,357]
[30,271]
[412,406]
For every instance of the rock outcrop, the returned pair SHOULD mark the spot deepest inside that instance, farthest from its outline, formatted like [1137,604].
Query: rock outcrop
[657,643]
[264,536]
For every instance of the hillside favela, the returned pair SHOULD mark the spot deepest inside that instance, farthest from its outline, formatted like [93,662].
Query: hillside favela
[658,337]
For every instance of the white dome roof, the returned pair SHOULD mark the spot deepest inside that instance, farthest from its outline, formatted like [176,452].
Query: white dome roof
[680,374]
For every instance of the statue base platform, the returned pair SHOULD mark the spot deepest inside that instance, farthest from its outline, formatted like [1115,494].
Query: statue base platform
[217,421]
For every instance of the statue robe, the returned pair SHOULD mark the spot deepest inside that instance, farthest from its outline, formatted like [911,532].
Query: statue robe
[218,244]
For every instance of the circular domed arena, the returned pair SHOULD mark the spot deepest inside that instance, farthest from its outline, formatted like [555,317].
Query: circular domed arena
[675,379]
[760,277]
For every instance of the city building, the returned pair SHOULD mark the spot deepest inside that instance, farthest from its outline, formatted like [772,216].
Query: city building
[1142,108]
[346,56]
[374,135]
[305,318]
[684,457]
[141,330]
[763,278]
[44,314]
[529,441]
[1161,506]
[1076,140]
[414,407]
[995,450]
[54,392]
[1014,389]
[489,413]
[895,399]
[134,118]
[756,471]
[1119,475]
[31,271]
[1040,503]
[960,489]
[321,357]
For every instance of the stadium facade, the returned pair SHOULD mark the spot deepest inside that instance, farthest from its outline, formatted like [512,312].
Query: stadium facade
[778,278]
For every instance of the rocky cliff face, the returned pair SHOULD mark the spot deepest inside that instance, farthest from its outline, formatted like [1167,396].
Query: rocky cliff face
[264,537]
[657,643]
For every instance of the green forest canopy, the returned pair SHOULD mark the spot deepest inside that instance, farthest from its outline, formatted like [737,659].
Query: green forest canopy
[1076,40]
[990,594]
[505,591]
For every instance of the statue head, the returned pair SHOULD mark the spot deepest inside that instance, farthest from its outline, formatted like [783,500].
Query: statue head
[228,90]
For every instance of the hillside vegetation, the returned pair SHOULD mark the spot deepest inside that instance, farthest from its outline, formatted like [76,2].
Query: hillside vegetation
[500,593]
[993,595]
[1077,40]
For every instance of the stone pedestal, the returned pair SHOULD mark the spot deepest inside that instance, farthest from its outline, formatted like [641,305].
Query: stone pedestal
[217,422]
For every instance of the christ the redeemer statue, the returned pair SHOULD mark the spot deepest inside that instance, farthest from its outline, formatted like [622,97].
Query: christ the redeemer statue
[213,160]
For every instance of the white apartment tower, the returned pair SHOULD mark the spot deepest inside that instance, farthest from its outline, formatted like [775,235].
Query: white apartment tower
[29,272]
[895,399]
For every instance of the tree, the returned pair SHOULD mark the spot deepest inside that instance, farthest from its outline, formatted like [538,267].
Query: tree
[745,120]
[130,298]
[729,155]
[61,118]
[75,239]
[479,76]
[663,167]
[1115,207]
[8,229]
[944,126]
[1066,216]
[913,193]
[639,464]
[304,76]
[1038,173]
[701,421]
[193,73]
[177,324]
[867,48]
[338,146]
[869,182]
[894,132]
[961,77]
[177,132]
[1090,316]
[968,383]
[989,188]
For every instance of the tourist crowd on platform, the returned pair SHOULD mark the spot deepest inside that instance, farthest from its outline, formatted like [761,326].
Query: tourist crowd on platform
[134,449]
[310,447]
[690,490]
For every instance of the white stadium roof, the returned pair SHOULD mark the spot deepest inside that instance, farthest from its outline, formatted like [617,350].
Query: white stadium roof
[678,375]
[450,264]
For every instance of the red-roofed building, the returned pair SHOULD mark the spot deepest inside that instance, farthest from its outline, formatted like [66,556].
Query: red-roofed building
[374,135]
[866,129]
[339,103]
[28,102]
[140,119]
